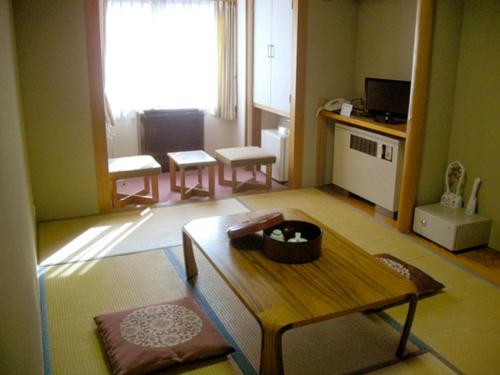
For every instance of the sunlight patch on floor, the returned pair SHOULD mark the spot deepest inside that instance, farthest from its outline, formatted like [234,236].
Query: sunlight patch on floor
[94,242]
[163,229]
[68,251]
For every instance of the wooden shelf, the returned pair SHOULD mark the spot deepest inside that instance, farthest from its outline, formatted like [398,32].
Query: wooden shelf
[397,130]
[271,110]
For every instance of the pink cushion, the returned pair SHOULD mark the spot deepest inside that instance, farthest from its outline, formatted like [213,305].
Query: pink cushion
[244,156]
[153,337]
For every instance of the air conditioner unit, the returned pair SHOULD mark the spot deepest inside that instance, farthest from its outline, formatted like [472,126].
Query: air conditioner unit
[368,164]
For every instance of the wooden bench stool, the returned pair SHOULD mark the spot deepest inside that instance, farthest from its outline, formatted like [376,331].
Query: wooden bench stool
[134,166]
[249,157]
[185,159]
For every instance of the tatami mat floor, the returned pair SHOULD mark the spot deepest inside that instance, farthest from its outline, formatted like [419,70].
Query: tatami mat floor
[459,327]
[482,260]
[463,313]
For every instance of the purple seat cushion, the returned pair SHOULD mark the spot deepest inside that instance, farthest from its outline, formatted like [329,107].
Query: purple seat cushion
[425,284]
[153,337]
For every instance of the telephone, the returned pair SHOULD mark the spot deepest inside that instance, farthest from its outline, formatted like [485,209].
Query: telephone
[334,104]
[331,105]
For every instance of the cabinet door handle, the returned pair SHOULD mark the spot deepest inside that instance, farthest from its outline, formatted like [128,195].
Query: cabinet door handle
[269,51]
[272,50]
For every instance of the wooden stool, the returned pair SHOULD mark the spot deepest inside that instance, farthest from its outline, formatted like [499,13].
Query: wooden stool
[185,159]
[134,166]
[250,157]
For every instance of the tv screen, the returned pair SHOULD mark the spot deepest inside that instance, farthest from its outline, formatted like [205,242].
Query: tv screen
[387,98]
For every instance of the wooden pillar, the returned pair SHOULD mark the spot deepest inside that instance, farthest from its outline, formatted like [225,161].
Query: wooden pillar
[320,150]
[96,93]
[417,113]
[299,49]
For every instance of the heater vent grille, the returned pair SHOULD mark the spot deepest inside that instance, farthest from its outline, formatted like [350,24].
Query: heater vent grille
[363,145]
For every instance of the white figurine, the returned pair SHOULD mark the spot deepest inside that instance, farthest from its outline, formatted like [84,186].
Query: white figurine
[470,209]
[455,173]
[277,235]
[297,238]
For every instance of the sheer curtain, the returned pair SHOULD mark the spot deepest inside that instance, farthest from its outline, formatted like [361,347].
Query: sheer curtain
[161,54]
[226,93]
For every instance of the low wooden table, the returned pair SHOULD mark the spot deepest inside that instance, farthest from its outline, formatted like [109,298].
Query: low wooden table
[144,166]
[247,157]
[344,280]
[186,159]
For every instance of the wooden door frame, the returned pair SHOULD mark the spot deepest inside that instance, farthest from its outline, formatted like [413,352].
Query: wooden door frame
[297,90]
[248,72]
[96,94]
[416,118]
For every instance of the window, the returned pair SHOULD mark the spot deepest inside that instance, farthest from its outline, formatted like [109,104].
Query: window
[161,54]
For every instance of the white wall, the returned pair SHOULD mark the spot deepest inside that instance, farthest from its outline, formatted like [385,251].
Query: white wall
[270,120]
[20,326]
[348,41]
[475,131]
[384,41]
[331,32]
[221,133]
[440,101]
[124,137]
[53,72]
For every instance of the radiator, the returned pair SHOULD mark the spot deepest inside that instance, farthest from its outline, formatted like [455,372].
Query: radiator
[164,131]
[368,164]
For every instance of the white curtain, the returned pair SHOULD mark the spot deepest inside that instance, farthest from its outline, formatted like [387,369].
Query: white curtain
[161,54]
[226,93]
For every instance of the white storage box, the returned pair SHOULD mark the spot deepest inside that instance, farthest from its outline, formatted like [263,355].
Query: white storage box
[277,144]
[450,228]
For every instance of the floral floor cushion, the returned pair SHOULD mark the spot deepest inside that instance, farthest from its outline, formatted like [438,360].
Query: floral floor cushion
[153,337]
[425,284]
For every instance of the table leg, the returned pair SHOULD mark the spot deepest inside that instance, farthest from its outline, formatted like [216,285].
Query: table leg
[183,183]
[269,176]
[271,357]
[189,261]
[172,171]
[412,306]
[147,188]
[200,179]
[234,180]
[114,194]
[211,181]
[154,187]
[220,167]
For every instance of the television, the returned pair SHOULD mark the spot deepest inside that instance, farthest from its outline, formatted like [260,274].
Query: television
[387,100]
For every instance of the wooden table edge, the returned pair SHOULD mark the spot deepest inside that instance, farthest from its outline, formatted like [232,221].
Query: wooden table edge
[272,331]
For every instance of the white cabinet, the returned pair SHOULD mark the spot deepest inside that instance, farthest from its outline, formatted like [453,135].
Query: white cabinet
[277,144]
[272,54]
[451,228]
